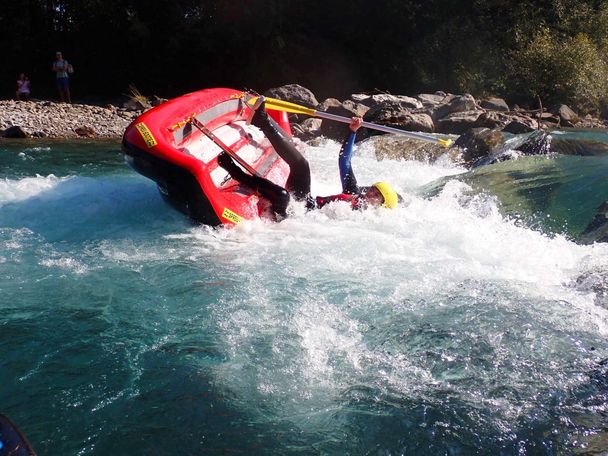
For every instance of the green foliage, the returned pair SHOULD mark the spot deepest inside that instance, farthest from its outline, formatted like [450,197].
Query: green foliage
[570,70]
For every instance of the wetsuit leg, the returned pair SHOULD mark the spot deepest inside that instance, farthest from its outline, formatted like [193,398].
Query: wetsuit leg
[298,181]
[277,195]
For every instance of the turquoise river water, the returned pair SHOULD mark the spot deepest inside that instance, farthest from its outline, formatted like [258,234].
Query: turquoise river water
[447,326]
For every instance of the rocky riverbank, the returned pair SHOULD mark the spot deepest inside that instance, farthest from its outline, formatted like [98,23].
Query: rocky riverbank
[45,119]
[482,125]
[439,112]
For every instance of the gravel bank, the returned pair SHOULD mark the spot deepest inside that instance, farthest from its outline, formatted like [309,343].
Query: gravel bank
[46,119]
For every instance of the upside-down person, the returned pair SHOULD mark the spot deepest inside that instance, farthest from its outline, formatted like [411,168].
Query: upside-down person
[298,181]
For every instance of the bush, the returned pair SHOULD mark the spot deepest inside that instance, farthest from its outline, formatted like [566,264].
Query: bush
[568,70]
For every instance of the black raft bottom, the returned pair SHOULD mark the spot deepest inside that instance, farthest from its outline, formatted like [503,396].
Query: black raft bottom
[177,186]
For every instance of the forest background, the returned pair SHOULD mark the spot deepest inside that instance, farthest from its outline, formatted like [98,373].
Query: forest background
[520,50]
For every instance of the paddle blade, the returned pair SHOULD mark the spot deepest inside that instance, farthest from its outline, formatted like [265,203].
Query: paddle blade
[286,106]
[445,142]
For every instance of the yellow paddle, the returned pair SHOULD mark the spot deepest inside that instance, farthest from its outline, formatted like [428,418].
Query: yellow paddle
[280,105]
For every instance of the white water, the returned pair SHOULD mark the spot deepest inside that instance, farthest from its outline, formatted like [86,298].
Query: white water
[320,296]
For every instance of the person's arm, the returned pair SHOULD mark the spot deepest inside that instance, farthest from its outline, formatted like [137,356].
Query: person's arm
[347,176]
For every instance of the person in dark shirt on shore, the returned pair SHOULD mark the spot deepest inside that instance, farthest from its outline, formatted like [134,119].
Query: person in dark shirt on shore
[62,68]
[298,181]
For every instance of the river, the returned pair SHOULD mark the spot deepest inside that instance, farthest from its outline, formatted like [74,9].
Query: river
[442,327]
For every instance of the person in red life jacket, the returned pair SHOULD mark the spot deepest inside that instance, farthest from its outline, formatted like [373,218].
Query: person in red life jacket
[378,194]
[298,181]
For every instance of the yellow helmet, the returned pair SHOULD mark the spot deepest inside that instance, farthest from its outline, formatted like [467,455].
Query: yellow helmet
[391,198]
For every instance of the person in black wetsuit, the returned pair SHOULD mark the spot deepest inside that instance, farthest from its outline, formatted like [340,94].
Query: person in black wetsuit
[298,181]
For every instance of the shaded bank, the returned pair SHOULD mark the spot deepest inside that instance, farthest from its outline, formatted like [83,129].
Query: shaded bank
[515,49]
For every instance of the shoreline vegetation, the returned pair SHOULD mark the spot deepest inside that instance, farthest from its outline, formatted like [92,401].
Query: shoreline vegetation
[438,112]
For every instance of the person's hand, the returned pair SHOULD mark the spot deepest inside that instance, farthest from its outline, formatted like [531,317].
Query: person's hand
[355,124]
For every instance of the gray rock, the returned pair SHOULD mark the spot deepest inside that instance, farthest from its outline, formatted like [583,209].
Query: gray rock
[461,103]
[294,93]
[329,103]
[567,117]
[432,100]
[15,132]
[548,120]
[381,98]
[331,128]
[311,125]
[417,122]
[582,147]
[400,147]
[358,108]
[521,125]
[85,131]
[597,231]
[538,143]
[478,142]
[492,119]
[406,102]
[308,129]
[495,104]
[396,115]
[361,98]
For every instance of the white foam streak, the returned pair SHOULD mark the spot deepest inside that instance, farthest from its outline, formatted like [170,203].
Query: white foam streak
[17,190]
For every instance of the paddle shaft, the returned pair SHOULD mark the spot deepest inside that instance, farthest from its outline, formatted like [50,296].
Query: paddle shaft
[223,146]
[287,106]
[373,126]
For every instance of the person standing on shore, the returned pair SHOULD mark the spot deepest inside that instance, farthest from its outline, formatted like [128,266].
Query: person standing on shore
[62,68]
[23,88]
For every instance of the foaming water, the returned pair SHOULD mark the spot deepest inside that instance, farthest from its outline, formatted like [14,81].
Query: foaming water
[439,327]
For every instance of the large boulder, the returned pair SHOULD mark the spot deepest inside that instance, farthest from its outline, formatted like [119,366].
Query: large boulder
[583,147]
[478,142]
[460,103]
[15,132]
[567,117]
[521,125]
[494,104]
[381,98]
[294,93]
[400,147]
[358,108]
[433,100]
[493,119]
[397,114]
[597,231]
[458,122]
[538,143]
[308,129]
[331,128]
[86,131]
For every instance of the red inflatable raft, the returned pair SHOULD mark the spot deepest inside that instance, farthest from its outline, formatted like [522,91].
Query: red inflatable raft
[176,144]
